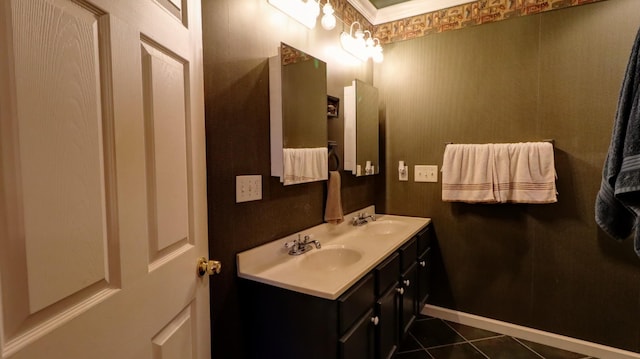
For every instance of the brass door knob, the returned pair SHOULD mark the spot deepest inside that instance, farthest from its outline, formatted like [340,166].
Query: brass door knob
[208,267]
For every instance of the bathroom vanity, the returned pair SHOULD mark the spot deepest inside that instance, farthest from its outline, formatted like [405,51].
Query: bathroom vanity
[355,297]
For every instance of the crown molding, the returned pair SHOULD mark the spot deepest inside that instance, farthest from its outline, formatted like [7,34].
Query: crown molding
[402,10]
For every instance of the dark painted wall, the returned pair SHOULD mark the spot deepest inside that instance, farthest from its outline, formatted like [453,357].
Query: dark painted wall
[553,75]
[239,36]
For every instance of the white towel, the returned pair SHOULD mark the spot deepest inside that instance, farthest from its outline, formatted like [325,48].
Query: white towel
[305,165]
[532,174]
[468,173]
[499,173]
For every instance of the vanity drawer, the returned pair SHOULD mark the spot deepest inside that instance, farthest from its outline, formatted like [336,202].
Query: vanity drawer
[354,303]
[408,254]
[424,239]
[387,273]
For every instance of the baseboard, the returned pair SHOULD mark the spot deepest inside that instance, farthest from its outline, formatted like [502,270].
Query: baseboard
[533,335]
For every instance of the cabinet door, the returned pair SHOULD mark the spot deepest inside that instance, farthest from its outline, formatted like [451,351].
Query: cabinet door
[387,309]
[358,342]
[423,283]
[355,302]
[408,296]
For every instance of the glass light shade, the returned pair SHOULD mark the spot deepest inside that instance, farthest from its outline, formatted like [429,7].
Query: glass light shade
[354,46]
[376,54]
[328,21]
[369,40]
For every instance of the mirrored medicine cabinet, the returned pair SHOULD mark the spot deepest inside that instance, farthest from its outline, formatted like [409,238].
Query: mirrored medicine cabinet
[298,106]
[361,129]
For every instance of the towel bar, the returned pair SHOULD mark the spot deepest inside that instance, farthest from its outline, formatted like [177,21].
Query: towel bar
[550,140]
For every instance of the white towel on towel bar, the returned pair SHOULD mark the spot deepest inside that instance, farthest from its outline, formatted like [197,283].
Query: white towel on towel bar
[501,168]
[499,173]
[468,173]
[532,174]
[305,165]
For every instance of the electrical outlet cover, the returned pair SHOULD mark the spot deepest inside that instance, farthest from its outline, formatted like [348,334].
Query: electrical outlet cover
[248,188]
[403,175]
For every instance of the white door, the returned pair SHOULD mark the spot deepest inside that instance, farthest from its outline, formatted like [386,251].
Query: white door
[102,180]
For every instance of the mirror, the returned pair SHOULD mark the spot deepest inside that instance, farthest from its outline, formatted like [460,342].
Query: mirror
[361,129]
[298,115]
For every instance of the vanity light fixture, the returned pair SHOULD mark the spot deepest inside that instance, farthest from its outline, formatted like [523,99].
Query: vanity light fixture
[362,48]
[304,11]
[354,43]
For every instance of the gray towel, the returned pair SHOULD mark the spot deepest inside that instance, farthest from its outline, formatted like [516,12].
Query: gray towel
[618,201]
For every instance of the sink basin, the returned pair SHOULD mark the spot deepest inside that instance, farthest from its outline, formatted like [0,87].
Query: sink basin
[330,258]
[383,227]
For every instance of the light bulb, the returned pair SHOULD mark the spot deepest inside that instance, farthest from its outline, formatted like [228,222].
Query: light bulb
[369,42]
[328,21]
[376,54]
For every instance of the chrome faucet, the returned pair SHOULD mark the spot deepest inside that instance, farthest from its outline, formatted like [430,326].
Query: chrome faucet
[362,218]
[299,246]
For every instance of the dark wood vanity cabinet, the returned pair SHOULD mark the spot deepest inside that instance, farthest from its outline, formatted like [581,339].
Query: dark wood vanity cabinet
[368,321]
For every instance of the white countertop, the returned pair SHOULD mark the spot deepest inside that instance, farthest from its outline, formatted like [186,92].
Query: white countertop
[373,242]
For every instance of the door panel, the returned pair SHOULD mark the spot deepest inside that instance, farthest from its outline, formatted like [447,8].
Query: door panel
[54,174]
[102,180]
[176,340]
[67,180]
[166,147]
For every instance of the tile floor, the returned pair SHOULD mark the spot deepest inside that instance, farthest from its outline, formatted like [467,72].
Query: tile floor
[432,338]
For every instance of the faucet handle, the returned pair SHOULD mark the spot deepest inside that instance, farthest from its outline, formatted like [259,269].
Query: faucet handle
[308,239]
[291,244]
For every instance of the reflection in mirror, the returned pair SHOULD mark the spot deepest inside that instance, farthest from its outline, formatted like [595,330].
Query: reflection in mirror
[361,129]
[298,115]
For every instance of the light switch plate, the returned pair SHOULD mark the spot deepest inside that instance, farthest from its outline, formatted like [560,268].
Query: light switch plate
[248,188]
[426,173]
